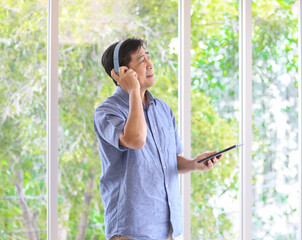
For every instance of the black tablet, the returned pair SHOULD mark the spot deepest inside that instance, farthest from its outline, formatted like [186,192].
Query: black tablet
[219,153]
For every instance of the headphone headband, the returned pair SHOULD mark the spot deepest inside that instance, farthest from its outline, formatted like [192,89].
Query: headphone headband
[115,58]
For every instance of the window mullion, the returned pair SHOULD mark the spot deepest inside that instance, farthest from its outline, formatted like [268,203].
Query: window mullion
[245,92]
[52,120]
[300,117]
[184,99]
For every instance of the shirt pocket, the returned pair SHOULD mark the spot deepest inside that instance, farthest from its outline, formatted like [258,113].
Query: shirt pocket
[169,139]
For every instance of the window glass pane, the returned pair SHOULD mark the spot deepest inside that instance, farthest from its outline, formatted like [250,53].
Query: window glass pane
[87,28]
[215,117]
[275,119]
[23,74]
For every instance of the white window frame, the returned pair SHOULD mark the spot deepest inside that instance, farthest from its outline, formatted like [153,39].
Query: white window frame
[52,119]
[300,116]
[184,101]
[245,89]
[245,121]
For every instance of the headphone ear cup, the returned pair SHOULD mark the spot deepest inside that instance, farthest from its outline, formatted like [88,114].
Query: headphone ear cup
[116,63]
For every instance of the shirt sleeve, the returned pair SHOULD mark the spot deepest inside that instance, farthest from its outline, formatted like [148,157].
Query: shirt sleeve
[108,125]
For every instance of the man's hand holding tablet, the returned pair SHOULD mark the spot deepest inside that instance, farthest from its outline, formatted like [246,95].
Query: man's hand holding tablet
[208,160]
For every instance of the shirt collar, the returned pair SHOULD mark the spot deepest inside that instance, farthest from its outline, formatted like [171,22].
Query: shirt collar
[125,96]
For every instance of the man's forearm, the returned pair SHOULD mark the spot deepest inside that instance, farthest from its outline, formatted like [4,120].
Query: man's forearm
[135,130]
[185,165]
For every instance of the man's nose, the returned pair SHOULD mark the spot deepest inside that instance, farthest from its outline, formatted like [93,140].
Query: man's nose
[149,64]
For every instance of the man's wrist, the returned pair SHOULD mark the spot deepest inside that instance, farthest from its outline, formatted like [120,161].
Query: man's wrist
[193,165]
[134,91]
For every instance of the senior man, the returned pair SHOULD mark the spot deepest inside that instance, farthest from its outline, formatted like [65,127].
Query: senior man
[140,151]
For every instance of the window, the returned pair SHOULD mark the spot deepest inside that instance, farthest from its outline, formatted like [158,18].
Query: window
[275,120]
[87,28]
[215,208]
[23,36]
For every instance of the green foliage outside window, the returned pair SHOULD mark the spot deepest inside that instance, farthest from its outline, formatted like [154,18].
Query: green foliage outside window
[86,29]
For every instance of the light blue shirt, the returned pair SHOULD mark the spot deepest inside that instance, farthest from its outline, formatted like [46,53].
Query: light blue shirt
[139,188]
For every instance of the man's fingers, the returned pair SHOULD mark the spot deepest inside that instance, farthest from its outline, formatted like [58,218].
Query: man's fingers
[205,155]
[209,163]
[122,70]
[132,71]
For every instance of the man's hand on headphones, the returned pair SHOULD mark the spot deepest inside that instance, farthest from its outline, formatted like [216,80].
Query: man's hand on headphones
[127,79]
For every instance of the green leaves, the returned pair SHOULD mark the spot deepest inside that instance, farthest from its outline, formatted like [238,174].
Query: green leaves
[86,29]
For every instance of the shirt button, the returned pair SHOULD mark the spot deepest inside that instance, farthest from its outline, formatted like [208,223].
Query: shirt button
[159,149]
[166,185]
[154,130]
[164,167]
[170,203]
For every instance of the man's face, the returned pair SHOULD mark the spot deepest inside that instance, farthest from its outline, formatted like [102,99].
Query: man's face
[142,65]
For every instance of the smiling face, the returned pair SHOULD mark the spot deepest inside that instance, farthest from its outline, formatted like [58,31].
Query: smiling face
[142,65]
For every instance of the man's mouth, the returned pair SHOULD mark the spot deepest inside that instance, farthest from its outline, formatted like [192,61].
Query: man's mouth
[150,75]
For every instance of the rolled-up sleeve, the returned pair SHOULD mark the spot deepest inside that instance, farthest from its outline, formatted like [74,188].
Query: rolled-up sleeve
[109,125]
